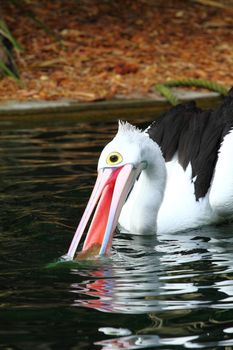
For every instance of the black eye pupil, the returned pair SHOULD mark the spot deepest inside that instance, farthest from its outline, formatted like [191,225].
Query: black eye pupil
[114,158]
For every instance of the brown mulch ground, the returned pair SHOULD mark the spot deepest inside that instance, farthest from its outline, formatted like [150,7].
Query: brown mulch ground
[102,49]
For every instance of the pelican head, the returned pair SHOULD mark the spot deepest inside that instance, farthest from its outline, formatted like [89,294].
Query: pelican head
[125,180]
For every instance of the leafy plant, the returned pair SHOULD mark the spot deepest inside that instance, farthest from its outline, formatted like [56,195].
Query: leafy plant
[164,88]
[7,43]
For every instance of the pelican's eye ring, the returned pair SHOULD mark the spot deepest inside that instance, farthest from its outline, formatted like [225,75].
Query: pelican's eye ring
[114,158]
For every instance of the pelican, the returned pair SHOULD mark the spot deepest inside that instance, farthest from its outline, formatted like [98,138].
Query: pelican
[175,175]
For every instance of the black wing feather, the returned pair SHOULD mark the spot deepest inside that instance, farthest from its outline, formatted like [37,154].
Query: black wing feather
[196,136]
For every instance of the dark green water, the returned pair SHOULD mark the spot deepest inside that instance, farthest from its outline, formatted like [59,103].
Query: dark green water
[167,292]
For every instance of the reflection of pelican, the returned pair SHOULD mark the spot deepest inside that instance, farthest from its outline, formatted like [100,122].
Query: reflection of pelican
[187,185]
[151,275]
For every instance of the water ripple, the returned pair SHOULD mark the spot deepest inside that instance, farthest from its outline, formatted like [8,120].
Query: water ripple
[170,290]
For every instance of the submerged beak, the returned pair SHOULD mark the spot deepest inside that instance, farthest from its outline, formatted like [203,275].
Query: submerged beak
[108,197]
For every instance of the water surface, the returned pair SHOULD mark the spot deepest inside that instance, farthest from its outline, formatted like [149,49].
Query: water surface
[166,292]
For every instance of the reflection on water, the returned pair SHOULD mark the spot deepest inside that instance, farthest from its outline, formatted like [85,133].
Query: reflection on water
[169,291]
[183,283]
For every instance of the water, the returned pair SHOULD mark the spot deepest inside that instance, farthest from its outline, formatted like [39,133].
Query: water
[166,292]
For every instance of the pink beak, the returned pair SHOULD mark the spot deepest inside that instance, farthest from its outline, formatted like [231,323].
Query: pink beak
[108,197]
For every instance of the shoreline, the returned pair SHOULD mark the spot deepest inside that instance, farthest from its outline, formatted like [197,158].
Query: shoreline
[100,110]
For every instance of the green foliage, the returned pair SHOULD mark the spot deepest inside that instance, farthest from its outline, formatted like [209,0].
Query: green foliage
[6,32]
[164,88]
[166,92]
[210,85]
[7,63]
[7,71]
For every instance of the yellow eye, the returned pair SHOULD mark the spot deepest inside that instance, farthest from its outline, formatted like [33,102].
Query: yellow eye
[114,158]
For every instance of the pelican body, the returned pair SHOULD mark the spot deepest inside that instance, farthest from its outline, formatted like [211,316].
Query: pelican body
[175,175]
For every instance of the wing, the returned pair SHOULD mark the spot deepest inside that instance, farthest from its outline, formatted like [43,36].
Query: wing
[196,136]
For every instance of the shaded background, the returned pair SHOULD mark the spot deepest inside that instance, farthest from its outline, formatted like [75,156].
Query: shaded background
[90,50]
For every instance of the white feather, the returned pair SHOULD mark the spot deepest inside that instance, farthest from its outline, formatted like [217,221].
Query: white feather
[221,194]
[162,199]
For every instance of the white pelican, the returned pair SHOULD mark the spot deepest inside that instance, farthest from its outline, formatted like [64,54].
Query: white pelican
[175,175]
